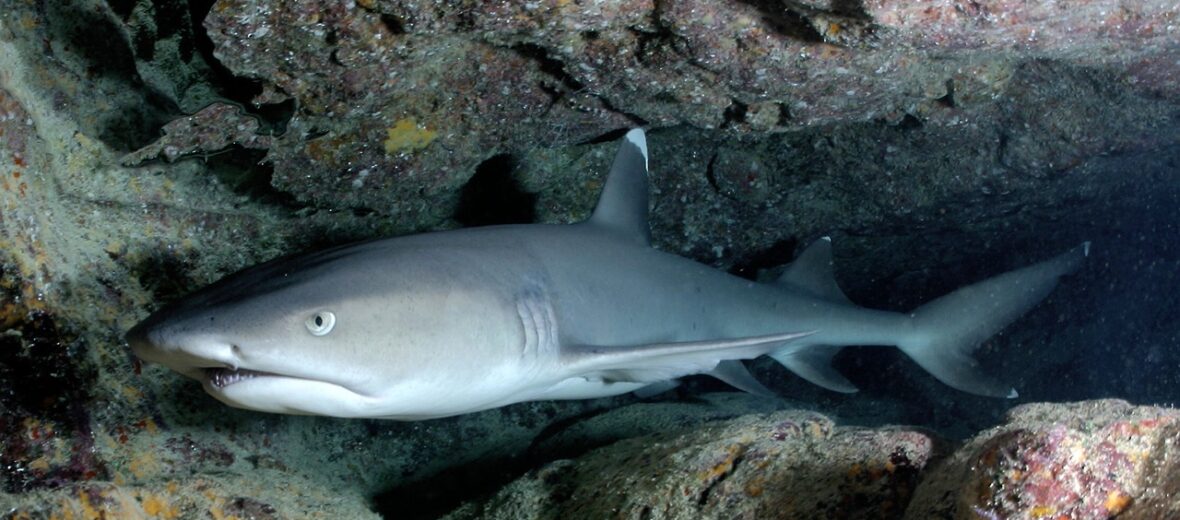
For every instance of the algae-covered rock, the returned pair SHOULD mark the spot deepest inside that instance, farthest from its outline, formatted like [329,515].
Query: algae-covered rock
[262,496]
[1087,460]
[149,148]
[90,245]
[789,464]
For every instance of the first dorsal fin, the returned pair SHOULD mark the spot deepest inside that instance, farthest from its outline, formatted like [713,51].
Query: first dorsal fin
[622,206]
[813,274]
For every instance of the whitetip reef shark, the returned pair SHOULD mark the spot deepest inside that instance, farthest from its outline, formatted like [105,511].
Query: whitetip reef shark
[452,322]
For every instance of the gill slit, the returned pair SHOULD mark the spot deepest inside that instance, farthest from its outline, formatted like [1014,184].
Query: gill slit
[539,323]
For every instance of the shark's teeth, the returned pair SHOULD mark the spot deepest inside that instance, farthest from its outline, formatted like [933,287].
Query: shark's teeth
[223,377]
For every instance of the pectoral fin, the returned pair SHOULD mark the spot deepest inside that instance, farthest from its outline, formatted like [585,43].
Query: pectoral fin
[662,361]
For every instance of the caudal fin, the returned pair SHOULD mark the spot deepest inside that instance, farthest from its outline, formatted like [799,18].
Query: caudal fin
[947,330]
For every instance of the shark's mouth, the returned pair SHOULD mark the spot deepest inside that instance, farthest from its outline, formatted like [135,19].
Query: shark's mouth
[223,377]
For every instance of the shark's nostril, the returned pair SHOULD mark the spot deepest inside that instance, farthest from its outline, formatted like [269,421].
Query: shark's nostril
[235,356]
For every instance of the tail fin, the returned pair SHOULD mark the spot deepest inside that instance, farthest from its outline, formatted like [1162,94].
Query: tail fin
[947,330]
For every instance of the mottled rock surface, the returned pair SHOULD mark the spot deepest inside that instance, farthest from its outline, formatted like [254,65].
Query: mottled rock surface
[1088,460]
[262,495]
[1083,461]
[148,148]
[398,102]
[789,464]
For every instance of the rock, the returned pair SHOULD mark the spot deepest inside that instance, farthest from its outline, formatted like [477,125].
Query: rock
[938,144]
[1087,460]
[262,496]
[213,129]
[468,82]
[390,121]
[789,464]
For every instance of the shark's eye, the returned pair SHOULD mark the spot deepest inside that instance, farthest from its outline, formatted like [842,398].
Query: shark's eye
[321,323]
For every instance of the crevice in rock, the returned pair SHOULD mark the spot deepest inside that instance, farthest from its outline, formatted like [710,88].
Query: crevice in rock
[241,90]
[608,137]
[786,20]
[738,457]
[778,254]
[393,24]
[44,393]
[711,174]
[440,494]
[650,44]
[122,8]
[948,100]
[548,64]
[273,117]
[735,114]
[91,44]
[784,115]
[908,122]
[851,9]
[493,196]
[245,172]
[636,120]
[233,87]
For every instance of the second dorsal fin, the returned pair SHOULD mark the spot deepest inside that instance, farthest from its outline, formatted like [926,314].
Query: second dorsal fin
[813,274]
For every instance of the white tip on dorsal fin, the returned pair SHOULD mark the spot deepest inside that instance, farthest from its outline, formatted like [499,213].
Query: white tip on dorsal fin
[813,274]
[622,206]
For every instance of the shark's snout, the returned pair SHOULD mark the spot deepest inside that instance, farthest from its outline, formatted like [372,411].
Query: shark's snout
[157,341]
[138,339]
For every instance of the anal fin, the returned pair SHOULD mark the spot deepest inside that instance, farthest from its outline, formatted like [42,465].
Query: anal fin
[735,374]
[814,363]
